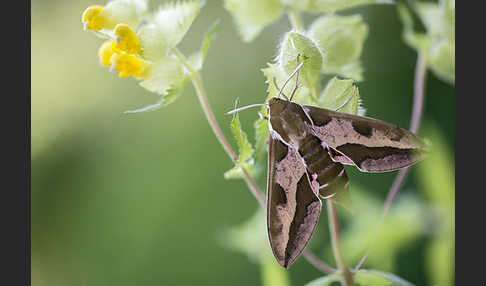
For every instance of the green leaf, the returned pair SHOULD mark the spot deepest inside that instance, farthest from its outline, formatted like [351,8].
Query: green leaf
[197,59]
[331,6]
[339,92]
[438,43]
[261,136]
[328,280]
[245,151]
[432,15]
[164,74]
[250,238]
[442,60]
[153,42]
[165,99]
[253,15]
[174,19]
[275,72]
[364,278]
[273,274]
[296,44]
[128,12]
[341,39]
[403,225]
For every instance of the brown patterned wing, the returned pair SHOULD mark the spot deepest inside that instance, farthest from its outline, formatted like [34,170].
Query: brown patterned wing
[371,145]
[293,208]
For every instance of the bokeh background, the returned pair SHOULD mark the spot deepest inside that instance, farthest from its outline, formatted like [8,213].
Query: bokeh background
[141,199]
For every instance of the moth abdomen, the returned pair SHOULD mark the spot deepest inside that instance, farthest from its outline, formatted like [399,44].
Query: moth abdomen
[318,162]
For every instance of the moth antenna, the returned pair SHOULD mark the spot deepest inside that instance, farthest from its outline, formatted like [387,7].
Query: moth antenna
[296,80]
[290,77]
[244,107]
[347,100]
[278,88]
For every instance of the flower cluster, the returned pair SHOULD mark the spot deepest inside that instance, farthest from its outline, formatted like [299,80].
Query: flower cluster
[117,21]
[143,44]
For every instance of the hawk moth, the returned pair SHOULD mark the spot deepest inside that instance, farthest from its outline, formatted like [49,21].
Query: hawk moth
[308,147]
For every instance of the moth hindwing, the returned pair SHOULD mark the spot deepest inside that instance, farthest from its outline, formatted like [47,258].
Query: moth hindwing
[307,150]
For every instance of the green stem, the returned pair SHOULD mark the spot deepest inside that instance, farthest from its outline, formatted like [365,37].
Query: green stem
[295,19]
[347,276]
[417,112]
[203,99]
[198,86]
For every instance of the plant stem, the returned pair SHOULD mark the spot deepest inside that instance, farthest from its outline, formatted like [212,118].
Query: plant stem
[295,19]
[198,86]
[417,112]
[347,276]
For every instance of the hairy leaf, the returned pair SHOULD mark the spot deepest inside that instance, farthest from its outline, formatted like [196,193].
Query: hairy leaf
[339,92]
[173,19]
[124,11]
[331,6]
[364,278]
[438,43]
[245,151]
[162,75]
[341,39]
[165,99]
[253,15]
[197,59]
[295,45]
[153,42]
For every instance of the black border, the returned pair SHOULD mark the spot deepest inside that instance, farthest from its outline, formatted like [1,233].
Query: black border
[28,145]
[15,118]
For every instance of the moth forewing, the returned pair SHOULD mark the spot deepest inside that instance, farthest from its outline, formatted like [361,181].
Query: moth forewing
[293,207]
[370,144]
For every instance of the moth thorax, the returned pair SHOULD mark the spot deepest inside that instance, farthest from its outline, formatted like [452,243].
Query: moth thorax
[298,138]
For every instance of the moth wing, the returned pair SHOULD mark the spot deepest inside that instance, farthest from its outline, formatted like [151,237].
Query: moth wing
[293,208]
[370,144]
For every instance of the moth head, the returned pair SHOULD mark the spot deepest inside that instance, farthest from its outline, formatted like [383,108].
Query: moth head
[276,106]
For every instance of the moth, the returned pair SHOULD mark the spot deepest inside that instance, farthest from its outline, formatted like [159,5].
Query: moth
[308,148]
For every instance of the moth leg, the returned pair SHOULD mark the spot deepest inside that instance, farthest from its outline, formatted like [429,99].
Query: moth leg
[347,100]
[290,76]
[314,183]
[296,80]
[280,89]
[263,117]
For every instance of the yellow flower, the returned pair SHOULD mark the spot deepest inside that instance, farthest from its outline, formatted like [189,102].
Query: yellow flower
[93,18]
[122,54]
[105,52]
[128,65]
[126,40]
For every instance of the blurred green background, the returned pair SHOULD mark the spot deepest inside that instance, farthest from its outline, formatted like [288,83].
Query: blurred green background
[141,199]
